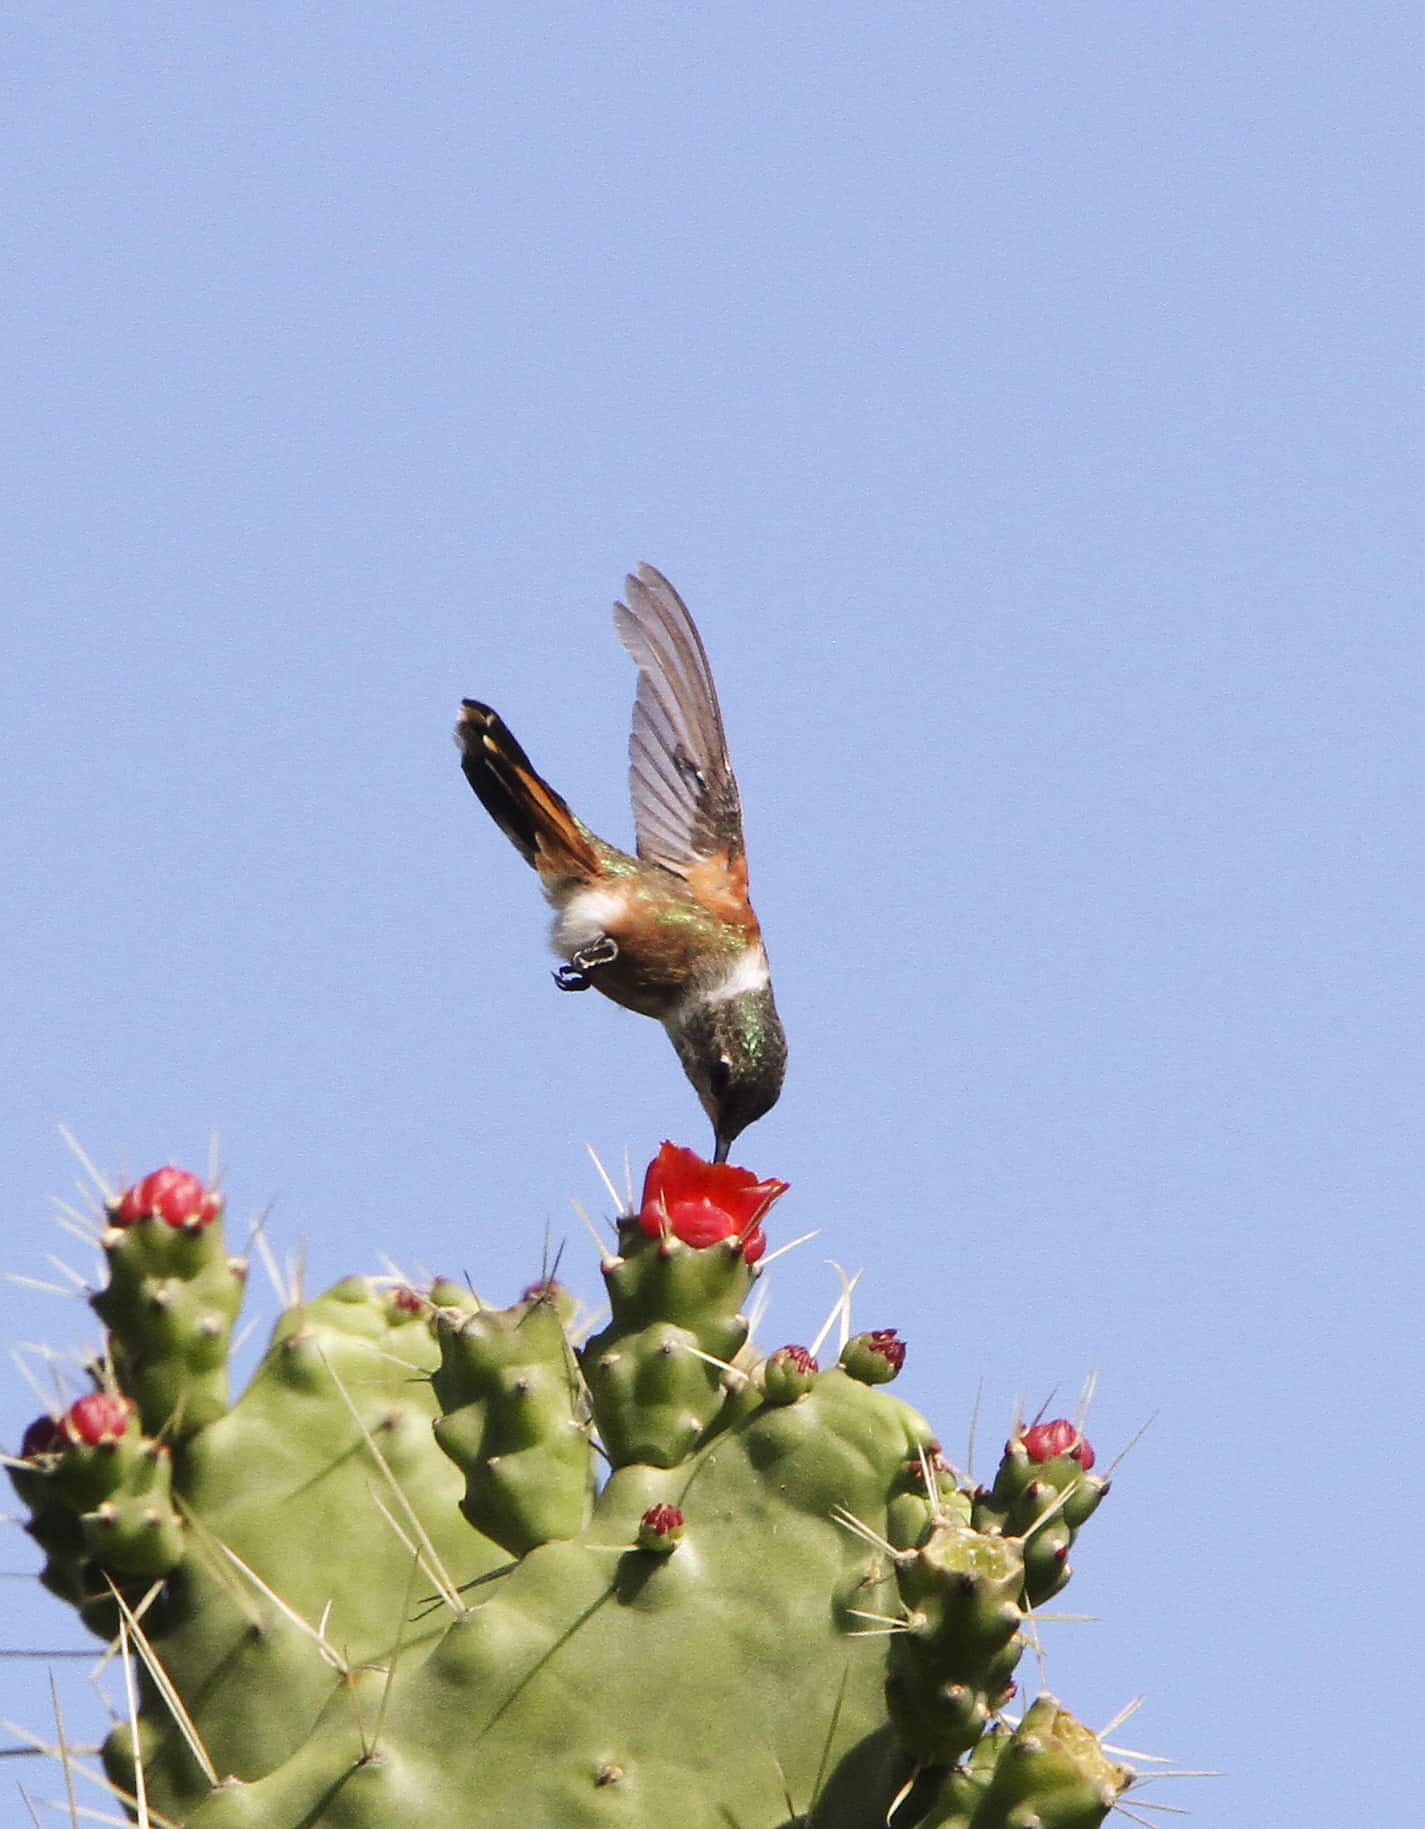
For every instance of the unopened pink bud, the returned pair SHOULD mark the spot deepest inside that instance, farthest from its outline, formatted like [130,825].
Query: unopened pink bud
[101,1417]
[660,1529]
[1047,1441]
[171,1194]
[44,1436]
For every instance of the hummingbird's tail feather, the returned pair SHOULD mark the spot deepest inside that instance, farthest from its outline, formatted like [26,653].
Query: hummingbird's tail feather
[527,810]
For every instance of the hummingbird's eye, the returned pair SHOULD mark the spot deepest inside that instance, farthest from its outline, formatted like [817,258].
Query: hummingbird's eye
[720,1076]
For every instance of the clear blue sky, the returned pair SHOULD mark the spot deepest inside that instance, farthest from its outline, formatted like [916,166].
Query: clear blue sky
[1027,402]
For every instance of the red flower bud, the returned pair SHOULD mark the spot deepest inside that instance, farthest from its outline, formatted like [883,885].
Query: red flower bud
[1046,1441]
[169,1194]
[406,1300]
[874,1357]
[888,1343]
[703,1202]
[101,1417]
[44,1436]
[660,1529]
[788,1374]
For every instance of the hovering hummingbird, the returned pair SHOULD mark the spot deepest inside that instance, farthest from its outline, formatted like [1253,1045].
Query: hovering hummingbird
[670,932]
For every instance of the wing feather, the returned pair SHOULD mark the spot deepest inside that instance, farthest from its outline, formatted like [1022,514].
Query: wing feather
[685,801]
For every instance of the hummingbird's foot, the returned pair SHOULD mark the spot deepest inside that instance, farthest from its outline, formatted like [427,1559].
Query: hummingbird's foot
[575,976]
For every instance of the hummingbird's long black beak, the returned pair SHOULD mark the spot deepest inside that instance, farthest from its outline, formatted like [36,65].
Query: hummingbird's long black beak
[721,1145]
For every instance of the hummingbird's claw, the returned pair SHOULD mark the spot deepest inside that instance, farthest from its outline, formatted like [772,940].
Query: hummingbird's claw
[575,976]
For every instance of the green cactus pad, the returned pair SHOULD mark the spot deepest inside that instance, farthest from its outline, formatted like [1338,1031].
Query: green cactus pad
[1048,1773]
[171,1299]
[388,1590]
[337,1418]
[653,1393]
[1043,1504]
[683,1692]
[508,1386]
[951,1666]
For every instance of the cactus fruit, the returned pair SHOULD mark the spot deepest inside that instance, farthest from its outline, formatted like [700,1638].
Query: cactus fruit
[448,1564]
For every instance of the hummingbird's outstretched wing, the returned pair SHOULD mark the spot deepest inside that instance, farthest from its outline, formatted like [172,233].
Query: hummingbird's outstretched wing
[685,801]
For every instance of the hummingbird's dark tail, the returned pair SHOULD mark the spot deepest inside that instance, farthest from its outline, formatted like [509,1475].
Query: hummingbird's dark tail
[526,809]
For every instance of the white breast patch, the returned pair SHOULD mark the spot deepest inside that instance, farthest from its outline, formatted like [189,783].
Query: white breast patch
[748,972]
[585,917]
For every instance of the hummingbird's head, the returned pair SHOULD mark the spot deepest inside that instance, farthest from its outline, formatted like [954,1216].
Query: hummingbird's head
[735,1053]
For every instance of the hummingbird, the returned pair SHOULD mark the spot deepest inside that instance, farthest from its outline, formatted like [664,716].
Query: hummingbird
[668,932]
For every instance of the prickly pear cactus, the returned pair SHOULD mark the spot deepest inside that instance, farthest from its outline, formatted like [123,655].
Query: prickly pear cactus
[453,1565]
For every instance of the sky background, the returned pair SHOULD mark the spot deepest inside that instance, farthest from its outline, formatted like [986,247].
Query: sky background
[1026,401]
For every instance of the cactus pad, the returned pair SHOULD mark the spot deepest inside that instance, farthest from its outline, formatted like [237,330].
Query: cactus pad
[452,1565]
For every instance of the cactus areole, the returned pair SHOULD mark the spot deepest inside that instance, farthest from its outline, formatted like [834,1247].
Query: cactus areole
[467,1567]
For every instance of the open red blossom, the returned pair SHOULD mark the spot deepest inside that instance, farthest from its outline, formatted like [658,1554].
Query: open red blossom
[169,1194]
[1046,1441]
[703,1202]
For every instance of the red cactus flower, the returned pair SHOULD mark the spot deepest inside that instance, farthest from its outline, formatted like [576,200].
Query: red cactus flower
[44,1436]
[169,1194]
[1046,1441]
[703,1202]
[660,1529]
[101,1417]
